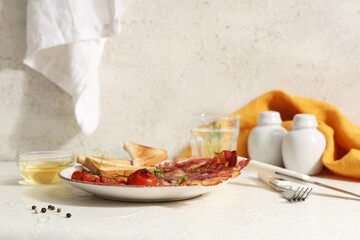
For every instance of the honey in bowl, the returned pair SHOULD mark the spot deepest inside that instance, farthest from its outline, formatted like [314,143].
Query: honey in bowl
[43,167]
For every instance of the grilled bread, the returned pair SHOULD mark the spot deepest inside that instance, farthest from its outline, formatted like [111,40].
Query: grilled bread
[81,159]
[143,155]
[110,169]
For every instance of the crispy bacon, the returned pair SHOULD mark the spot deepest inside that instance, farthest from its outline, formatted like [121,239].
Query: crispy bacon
[185,163]
[203,171]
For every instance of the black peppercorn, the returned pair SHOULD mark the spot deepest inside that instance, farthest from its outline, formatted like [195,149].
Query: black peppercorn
[33,207]
[68,215]
[49,207]
[43,210]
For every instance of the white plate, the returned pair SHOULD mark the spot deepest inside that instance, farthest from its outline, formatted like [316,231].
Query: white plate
[136,193]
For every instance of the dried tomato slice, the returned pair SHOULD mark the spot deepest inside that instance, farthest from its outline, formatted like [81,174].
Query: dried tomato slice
[112,180]
[88,177]
[77,175]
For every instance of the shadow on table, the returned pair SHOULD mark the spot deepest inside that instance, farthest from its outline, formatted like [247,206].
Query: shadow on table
[257,184]
[11,181]
[67,195]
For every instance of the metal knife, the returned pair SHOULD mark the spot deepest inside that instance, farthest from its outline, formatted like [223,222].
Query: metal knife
[279,172]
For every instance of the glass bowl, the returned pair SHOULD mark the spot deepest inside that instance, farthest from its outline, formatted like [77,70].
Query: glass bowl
[42,167]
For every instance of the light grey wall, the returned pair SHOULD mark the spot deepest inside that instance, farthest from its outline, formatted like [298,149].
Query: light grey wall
[175,58]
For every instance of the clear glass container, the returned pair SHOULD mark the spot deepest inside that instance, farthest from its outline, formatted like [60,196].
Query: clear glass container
[42,167]
[214,132]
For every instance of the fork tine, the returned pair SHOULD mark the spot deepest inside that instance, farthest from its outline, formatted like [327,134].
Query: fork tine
[296,194]
[301,196]
[308,193]
[301,193]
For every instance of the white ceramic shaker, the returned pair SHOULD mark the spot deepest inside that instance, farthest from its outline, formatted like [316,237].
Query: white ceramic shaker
[265,140]
[304,145]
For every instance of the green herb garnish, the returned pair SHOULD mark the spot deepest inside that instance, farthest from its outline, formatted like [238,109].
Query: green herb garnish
[213,140]
[119,175]
[182,178]
[97,170]
[102,159]
[157,173]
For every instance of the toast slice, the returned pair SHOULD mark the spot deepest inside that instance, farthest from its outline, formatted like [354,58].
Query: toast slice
[109,169]
[111,172]
[81,159]
[93,163]
[143,155]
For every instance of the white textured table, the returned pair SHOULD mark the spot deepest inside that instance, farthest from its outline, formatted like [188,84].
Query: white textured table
[244,208]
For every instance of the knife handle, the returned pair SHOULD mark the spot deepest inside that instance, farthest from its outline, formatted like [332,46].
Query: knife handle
[271,170]
[279,185]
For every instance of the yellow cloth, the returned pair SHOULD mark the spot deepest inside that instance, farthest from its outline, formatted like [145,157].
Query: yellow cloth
[342,153]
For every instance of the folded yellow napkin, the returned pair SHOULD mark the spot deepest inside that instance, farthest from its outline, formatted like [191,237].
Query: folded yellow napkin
[342,153]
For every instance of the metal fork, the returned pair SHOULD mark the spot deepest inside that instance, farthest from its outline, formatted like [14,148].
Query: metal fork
[280,185]
[300,194]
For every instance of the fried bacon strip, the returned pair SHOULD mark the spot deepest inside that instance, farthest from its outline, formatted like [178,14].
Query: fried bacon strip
[203,171]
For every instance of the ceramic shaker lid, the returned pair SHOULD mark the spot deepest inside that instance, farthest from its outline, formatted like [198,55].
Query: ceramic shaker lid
[269,117]
[304,120]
